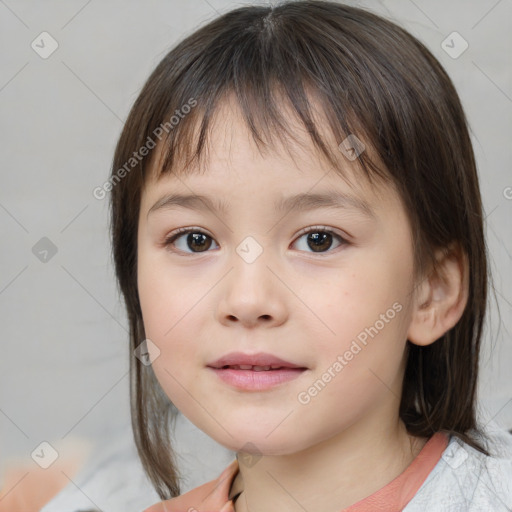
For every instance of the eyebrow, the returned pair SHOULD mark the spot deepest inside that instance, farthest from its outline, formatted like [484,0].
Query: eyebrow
[298,202]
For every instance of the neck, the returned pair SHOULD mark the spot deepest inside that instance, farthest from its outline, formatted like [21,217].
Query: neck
[330,475]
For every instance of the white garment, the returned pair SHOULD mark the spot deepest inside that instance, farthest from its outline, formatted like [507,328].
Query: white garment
[465,480]
[112,480]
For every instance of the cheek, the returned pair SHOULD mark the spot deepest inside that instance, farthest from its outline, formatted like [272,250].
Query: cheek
[168,295]
[367,311]
[172,313]
[361,300]
[169,324]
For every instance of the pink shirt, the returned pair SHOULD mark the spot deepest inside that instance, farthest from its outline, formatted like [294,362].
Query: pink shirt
[214,496]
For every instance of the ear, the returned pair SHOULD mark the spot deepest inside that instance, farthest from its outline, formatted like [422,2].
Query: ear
[440,297]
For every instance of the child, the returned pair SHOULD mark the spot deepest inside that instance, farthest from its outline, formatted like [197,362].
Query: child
[327,326]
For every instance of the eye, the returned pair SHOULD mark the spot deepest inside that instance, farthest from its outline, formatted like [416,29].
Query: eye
[320,239]
[195,239]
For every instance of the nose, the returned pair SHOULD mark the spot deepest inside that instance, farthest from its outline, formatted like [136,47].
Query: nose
[252,295]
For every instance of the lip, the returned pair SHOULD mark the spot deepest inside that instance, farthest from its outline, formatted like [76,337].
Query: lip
[267,370]
[260,359]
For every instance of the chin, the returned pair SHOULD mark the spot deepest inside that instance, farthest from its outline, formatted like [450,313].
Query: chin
[258,442]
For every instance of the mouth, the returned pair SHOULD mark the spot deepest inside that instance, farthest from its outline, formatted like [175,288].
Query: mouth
[253,368]
[255,372]
[256,362]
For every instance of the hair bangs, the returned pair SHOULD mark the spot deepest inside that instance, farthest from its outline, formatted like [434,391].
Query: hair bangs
[273,77]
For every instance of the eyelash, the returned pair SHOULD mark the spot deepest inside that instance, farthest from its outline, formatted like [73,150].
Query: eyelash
[169,240]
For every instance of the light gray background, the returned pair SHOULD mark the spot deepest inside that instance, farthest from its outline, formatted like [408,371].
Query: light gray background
[64,358]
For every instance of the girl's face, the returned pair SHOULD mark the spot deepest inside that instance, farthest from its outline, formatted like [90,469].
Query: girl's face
[280,318]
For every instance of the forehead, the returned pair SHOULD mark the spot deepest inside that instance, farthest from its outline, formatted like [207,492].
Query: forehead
[240,179]
[234,168]
[231,145]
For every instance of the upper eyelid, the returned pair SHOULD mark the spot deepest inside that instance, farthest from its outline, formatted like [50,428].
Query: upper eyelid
[320,228]
[193,229]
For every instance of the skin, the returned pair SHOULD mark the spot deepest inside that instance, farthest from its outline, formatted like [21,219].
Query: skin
[303,306]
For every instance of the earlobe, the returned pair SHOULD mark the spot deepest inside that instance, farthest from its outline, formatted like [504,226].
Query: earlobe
[441,297]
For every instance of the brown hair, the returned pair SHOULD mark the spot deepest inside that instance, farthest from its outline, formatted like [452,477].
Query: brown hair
[372,79]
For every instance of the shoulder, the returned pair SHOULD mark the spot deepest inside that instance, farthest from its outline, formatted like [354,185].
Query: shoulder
[467,480]
[209,497]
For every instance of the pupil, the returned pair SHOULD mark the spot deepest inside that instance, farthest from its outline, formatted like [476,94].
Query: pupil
[319,241]
[198,237]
